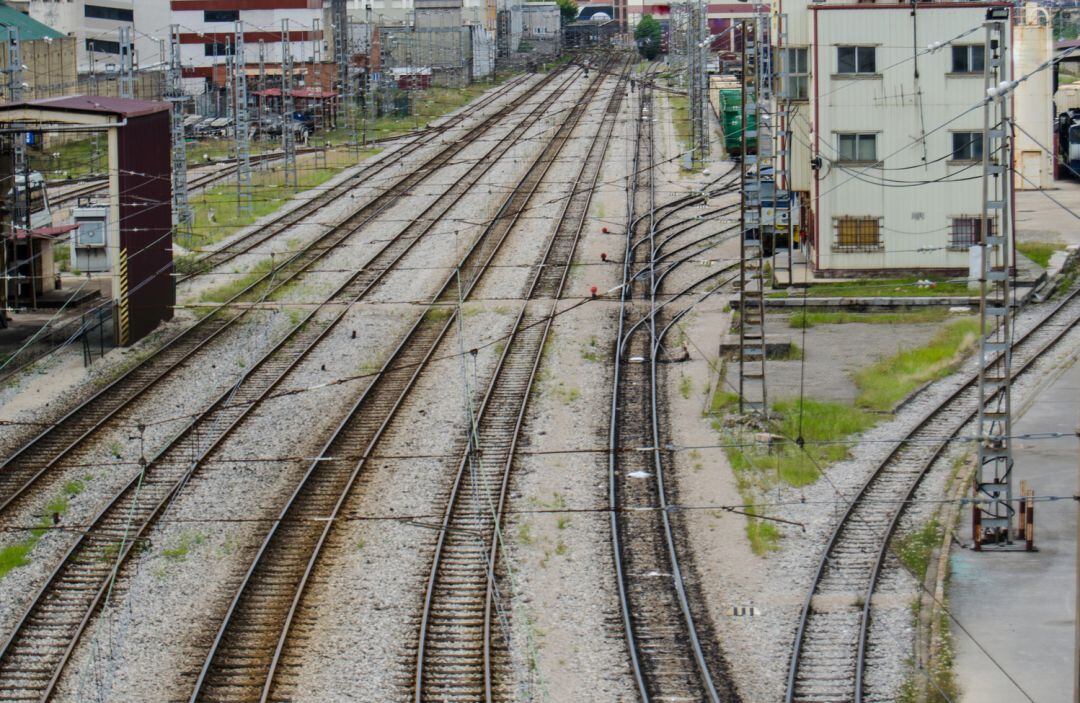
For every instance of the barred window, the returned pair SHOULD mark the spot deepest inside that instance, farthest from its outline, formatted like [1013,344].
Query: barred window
[858,234]
[966,232]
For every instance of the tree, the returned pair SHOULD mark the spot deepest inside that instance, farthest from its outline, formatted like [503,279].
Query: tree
[568,10]
[647,35]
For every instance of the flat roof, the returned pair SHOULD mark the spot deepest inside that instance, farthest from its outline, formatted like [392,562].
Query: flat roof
[96,104]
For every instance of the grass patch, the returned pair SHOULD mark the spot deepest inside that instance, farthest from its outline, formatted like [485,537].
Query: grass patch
[807,318]
[914,549]
[722,401]
[824,426]
[680,118]
[880,288]
[18,554]
[762,466]
[1039,252]
[72,159]
[567,395]
[885,383]
[438,313]
[763,535]
[217,214]
[180,551]
[589,353]
[685,387]
[226,291]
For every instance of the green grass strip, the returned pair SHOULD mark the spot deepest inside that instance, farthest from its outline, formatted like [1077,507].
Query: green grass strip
[883,384]
[1039,252]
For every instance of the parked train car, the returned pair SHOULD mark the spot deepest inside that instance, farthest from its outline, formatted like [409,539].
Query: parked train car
[731,121]
[1067,102]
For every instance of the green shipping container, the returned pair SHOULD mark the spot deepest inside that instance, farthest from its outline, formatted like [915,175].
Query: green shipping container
[731,121]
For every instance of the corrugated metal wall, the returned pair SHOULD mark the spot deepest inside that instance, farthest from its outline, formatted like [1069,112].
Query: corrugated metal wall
[146,219]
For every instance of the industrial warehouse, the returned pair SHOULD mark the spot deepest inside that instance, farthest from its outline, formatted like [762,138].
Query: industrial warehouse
[488,350]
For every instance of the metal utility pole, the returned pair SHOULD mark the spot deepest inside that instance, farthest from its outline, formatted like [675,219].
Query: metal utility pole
[317,80]
[262,87]
[19,165]
[243,125]
[783,196]
[752,388]
[127,67]
[288,136]
[174,94]
[341,58]
[697,48]
[993,513]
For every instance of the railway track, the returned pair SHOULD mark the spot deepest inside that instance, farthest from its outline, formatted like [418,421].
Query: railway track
[668,659]
[276,226]
[45,637]
[459,646]
[101,185]
[246,660]
[93,186]
[41,454]
[249,242]
[831,647]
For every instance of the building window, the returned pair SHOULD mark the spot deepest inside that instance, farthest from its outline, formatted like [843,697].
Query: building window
[218,49]
[967,59]
[965,232]
[796,75]
[967,146]
[221,16]
[857,147]
[108,13]
[858,234]
[856,59]
[101,46]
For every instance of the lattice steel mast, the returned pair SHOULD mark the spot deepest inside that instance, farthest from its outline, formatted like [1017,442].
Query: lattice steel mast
[243,126]
[127,67]
[698,49]
[174,94]
[755,91]
[288,135]
[992,518]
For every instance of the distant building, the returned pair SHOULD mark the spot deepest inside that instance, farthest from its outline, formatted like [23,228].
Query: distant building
[541,20]
[93,24]
[48,55]
[207,28]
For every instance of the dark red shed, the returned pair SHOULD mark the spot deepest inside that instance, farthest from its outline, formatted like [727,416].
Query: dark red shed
[140,198]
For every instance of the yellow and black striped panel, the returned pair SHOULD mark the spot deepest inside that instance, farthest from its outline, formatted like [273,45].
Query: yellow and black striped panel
[123,328]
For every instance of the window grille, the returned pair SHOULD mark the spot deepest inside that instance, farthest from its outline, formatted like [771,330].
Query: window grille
[855,234]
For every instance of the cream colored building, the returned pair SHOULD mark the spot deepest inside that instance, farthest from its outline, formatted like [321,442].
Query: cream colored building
[886,142]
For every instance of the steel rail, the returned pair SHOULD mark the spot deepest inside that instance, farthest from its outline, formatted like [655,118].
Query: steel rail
[945,405]
[685,682]
[151,491]
[25,466]
[261,594]
[511,382]
[97,184]
[661,487]
[613,437]
[217,257]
